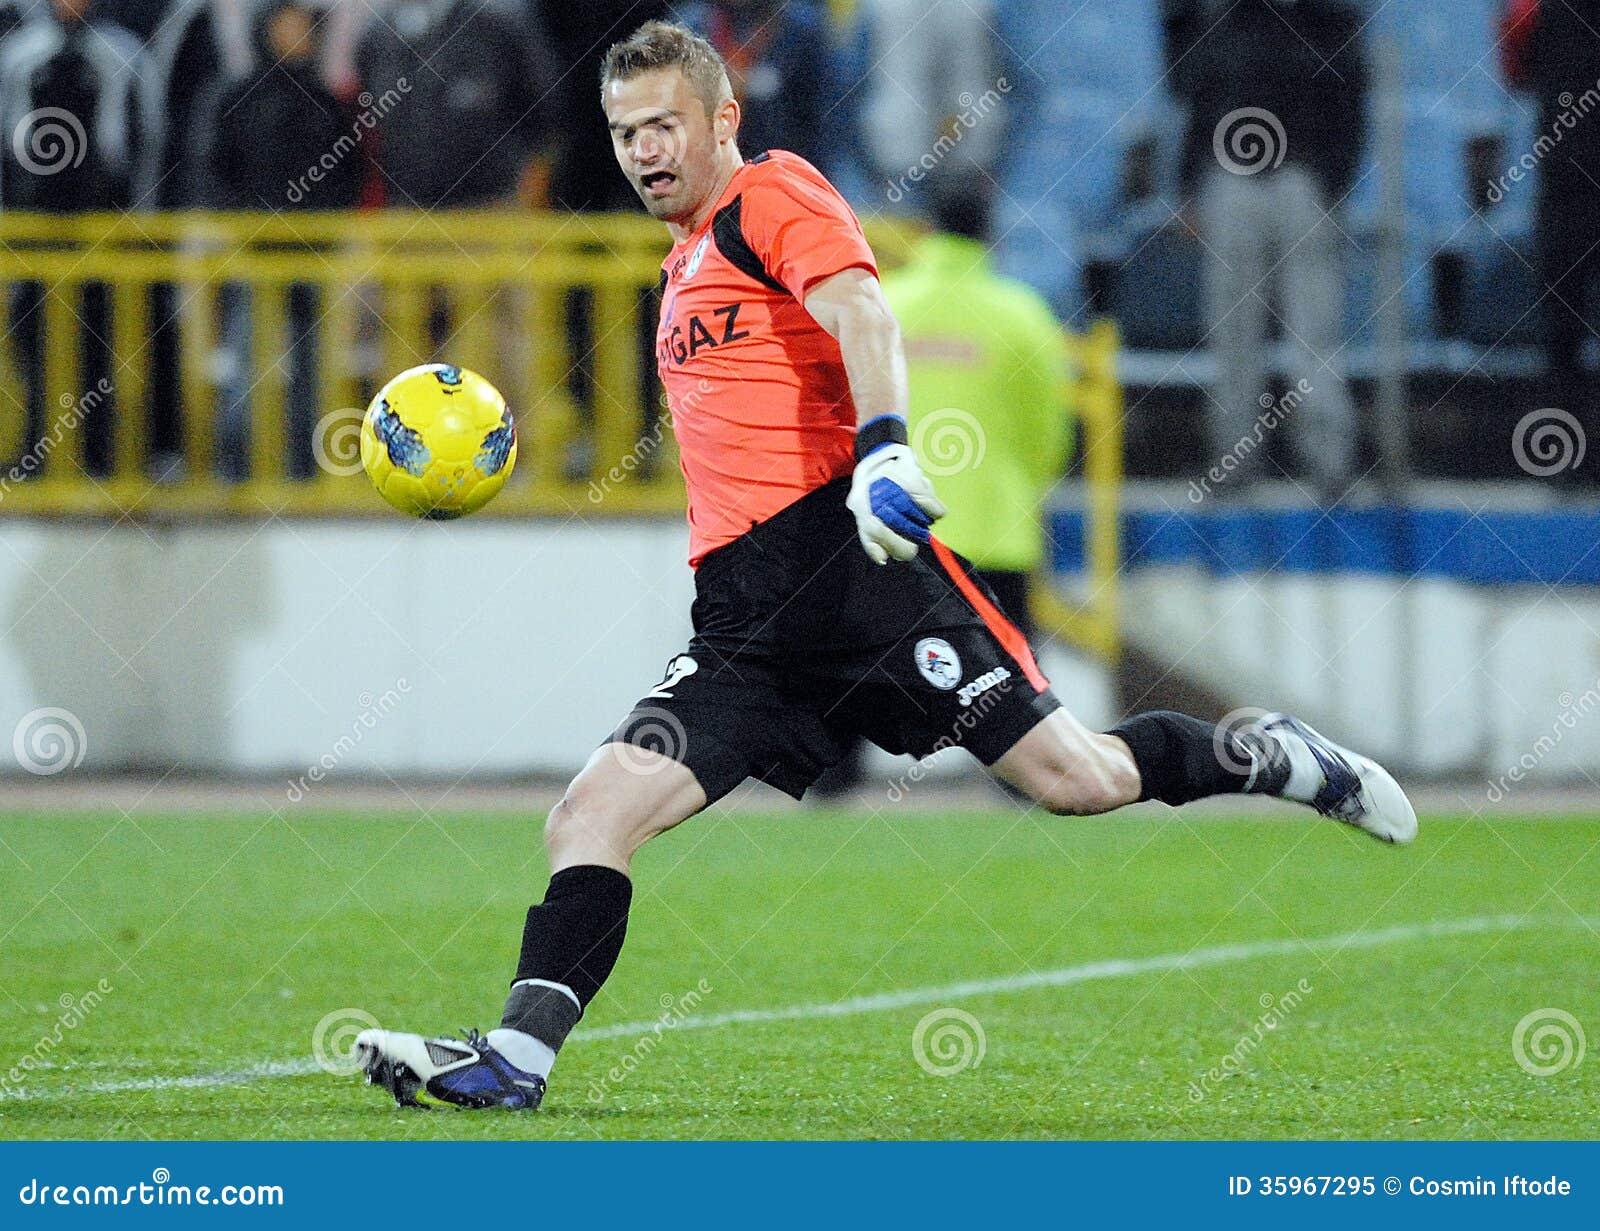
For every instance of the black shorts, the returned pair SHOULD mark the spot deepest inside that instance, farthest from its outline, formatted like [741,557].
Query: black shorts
[801,644]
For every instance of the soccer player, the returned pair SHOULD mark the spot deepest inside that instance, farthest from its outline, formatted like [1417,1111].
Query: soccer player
[825,608]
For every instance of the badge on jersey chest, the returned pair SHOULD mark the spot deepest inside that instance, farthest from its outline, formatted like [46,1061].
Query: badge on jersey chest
[695,257]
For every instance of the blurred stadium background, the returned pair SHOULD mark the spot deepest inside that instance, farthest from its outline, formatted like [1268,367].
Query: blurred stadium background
[224,223]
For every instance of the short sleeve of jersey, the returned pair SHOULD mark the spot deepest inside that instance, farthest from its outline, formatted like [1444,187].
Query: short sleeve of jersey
[800,226]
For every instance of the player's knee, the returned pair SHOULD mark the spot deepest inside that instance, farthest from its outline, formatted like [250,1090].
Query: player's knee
[559,824]
[579,828]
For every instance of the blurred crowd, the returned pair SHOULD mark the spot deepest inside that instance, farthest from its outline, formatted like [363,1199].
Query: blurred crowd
[228,103]
[1202,170]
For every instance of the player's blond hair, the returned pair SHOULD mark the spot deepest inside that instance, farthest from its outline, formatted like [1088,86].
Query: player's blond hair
[664,44]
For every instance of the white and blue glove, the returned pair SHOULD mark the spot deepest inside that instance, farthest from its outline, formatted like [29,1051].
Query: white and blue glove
[891,498]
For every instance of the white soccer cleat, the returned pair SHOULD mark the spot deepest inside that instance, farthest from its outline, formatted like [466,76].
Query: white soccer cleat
[1355,789]
[468,1071]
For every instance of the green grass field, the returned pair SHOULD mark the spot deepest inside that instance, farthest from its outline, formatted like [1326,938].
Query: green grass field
[223,941]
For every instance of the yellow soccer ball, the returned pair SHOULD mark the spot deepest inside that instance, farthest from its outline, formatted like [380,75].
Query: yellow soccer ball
[438,441]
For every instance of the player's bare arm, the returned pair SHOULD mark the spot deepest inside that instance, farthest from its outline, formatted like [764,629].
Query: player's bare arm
[851,307]
[892,500]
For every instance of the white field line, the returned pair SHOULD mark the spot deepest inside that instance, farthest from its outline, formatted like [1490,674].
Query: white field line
[1064,976]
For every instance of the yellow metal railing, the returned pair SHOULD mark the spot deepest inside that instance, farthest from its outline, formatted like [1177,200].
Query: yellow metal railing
[490,289]
[1094,624]
[496,291]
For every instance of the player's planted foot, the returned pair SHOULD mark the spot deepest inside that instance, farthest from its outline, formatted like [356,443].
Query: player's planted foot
[468,1072]
[1340,783]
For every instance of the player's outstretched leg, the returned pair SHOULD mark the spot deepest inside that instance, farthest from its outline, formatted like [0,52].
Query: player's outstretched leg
[1176,759]
[570,941]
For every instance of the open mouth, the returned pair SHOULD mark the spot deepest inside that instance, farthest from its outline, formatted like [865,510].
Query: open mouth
[658,183]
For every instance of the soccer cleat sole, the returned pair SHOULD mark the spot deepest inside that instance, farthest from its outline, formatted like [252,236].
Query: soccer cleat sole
[1394,819]
[394,1076]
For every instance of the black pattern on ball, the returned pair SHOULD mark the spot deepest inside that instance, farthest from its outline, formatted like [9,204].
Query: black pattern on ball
[404,444]
[491,458]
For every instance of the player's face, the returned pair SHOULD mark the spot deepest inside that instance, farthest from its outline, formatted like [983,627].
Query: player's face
[665,143]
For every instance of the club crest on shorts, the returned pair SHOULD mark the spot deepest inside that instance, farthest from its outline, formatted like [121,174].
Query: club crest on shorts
[939,663]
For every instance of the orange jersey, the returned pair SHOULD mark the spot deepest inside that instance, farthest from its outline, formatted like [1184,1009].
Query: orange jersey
[757,388]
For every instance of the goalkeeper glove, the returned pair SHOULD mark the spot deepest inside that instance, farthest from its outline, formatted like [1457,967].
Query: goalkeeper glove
[891,498]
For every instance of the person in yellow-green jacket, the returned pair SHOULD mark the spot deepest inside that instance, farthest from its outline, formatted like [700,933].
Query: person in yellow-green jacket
[989,414]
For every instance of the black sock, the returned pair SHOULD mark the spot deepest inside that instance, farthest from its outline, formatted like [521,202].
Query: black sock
[570,942]
[1181,758]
